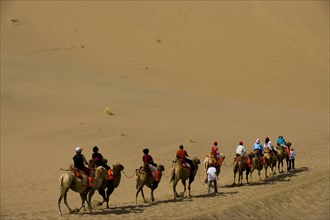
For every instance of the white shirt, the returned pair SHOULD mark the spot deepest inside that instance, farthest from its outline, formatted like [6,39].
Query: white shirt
[269,145]
[240,150]
[211,171]
[292,155]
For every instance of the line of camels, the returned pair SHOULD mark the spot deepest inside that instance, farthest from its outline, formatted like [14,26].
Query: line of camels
[105,187]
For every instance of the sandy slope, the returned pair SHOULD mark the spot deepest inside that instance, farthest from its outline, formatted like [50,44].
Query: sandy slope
[171,73]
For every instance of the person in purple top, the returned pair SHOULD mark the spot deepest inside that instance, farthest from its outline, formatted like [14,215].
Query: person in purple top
[98,158]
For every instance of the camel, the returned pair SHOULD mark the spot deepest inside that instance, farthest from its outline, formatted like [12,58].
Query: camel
[70,181]
[270,161]
[256,165]
[281,155]
[208,161]
[240,166]
[143,179]
[183,173]
[108,186]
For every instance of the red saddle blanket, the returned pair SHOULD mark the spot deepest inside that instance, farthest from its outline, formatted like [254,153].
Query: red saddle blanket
[183,163]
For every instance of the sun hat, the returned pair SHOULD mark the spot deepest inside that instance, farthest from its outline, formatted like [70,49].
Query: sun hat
[78,149]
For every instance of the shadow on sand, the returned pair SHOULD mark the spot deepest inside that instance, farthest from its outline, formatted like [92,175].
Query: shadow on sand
[136,209]
[279,177]
[129,209]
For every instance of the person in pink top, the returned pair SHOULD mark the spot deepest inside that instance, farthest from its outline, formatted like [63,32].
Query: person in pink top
[215,150]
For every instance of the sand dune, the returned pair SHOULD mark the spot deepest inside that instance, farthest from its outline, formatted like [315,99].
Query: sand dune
[172,73]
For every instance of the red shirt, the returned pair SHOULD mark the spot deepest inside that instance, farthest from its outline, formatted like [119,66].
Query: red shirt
[147,159]
[181,154]
[214,150]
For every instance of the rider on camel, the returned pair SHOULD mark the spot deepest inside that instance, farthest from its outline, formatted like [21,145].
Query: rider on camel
[268,144]
[215,153]
[240,151]
[183,155]
[98,158]
[257,148]
[149,166]
[79,161]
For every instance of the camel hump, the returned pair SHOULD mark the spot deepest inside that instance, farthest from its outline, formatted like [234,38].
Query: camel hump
[91,163]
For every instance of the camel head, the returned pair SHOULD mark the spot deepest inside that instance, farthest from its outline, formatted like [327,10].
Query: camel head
[196,161]
[118,167]
[223,156]
[160,168]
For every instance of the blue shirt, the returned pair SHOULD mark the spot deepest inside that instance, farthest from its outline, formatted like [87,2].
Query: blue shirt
[257,146]
[280,141]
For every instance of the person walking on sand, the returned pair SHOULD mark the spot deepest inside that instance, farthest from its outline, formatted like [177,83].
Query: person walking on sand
[212,178]
[292,157]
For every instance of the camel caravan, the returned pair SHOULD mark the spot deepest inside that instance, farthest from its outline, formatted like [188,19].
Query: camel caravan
[98,176]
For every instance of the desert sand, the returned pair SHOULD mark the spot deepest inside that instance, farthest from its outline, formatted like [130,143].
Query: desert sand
[186,72]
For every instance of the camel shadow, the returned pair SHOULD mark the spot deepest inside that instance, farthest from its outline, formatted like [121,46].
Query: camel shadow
[136,209]
[280,177]
[130,209]
[120,210]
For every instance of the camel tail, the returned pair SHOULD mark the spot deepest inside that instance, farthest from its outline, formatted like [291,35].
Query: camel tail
[61,182]
[137,182]
[172,175]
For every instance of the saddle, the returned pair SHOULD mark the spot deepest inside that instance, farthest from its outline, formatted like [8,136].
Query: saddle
[246,160]
[142,170]
[183,163]
[86,180]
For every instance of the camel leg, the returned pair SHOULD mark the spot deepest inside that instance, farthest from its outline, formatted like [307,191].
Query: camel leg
[240,177]
[247,177]
[152,195]
[66,203]
[189,186]
[137,193]
[89,202]
[234,178]
[184,187]
[102,193]
[266,176]
[271,171]
[59,202]
[83,199]
[110,189]
[175,182]
[252,169]
[142,193]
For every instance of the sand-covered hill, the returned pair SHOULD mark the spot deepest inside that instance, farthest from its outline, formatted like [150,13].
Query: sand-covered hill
[172,73]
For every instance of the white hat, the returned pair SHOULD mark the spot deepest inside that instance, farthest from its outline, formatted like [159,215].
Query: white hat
[78,149]
[258,141]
